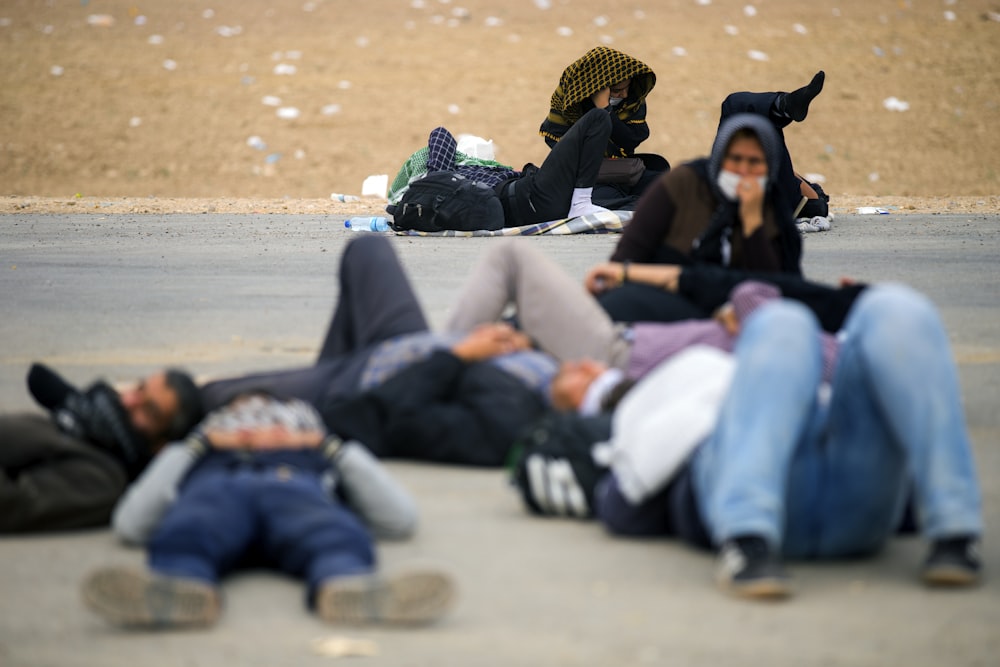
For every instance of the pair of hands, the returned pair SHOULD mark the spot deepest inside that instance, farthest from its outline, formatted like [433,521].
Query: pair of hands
[261,438]
[611,274]
[490,340]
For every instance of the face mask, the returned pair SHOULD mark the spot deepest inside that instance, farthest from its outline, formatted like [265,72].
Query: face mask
[729,182]
[615,101]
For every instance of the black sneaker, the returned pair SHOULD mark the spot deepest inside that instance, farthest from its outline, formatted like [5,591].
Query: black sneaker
[748,567]
[952,562]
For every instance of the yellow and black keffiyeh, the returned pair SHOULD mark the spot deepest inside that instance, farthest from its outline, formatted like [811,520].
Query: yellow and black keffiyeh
[599,68]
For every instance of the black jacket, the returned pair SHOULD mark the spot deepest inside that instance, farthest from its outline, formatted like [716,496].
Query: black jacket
[708,287]
[441,410]
[52,481]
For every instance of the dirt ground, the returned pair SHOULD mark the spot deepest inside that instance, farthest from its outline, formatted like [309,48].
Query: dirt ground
[373,206]
[129,106]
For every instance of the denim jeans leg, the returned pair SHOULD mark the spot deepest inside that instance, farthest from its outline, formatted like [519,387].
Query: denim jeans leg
[847,481]
[741,472]
[896,336]
[207,530]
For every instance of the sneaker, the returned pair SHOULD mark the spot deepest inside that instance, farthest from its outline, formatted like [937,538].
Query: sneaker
[583,210]
[135,598]
[952,562]
[412,598]
[748,567]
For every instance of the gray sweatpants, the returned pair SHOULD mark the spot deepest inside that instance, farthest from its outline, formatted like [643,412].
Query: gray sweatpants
[552,308]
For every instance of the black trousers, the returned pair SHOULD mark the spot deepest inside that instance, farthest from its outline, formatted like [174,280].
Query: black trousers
[762,104]
[376,303]
[545,193]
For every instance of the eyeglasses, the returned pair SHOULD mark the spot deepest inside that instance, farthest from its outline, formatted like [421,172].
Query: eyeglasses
[751,160]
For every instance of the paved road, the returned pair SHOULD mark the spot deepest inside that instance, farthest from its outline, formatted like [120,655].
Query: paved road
[120,296]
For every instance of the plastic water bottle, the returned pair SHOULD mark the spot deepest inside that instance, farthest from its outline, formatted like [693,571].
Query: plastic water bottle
[365,224]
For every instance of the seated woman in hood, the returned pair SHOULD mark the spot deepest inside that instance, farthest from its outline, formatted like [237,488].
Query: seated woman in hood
[725,209]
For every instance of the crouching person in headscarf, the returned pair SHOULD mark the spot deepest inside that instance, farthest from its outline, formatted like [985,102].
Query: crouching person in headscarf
[605,78]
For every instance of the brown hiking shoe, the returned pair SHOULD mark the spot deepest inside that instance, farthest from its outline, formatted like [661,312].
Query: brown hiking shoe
[138,599]
[411,598]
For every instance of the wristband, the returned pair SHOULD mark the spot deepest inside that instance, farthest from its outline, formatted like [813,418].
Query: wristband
[625,264]
[198,444]
[331,446]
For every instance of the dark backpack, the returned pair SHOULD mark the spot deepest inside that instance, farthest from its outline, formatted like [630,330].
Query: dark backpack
[552,463]
[444,200]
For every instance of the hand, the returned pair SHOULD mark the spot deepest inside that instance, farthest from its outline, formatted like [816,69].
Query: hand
[726,316]
[602,98]
[665,276]
[751,198]
[604,277]
[490,340]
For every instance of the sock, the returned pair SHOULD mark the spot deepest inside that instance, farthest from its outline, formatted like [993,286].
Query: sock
[581,204]
[795,105]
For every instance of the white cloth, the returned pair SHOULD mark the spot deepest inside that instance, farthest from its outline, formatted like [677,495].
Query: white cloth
[598,389]
[665,417]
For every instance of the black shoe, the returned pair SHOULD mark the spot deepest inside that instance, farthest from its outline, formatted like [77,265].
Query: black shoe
[748,567]
[952,562]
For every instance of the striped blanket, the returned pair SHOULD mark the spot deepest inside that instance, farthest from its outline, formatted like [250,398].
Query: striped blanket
[611,222]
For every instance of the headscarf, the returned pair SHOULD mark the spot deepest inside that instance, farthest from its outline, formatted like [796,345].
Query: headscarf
[599,68]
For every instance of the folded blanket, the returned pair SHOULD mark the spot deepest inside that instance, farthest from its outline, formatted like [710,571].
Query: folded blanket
[611,222]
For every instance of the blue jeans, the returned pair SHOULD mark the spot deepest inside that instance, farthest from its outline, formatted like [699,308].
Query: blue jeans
[830,478]
[285,516]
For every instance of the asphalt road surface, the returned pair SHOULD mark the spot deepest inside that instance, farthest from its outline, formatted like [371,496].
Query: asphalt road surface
[119,296]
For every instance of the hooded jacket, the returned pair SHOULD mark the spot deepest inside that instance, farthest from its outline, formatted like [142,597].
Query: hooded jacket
[685,218]
[600,68]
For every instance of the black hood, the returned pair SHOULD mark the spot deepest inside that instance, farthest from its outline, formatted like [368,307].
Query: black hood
[766,134]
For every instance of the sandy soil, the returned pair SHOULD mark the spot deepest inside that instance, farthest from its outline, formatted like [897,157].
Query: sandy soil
[374,206]
[175,103]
